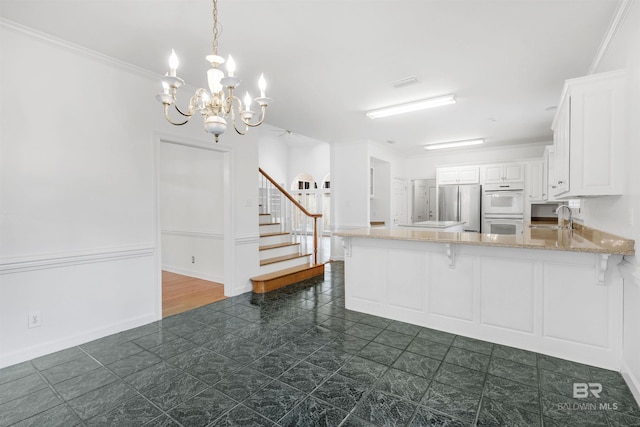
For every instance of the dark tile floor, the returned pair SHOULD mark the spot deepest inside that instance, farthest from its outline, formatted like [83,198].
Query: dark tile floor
[296,357]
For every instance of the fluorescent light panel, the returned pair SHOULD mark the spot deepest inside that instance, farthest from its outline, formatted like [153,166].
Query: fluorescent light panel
[453,144]
[412,106]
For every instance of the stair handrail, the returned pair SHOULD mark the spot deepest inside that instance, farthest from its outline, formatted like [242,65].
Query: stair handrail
[302,208]
[289,196]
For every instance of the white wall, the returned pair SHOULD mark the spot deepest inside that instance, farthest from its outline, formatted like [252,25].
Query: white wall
[424,166]
[191,212]
[380,203]
[78,225]
[621,214]
[274,156]
[313,159]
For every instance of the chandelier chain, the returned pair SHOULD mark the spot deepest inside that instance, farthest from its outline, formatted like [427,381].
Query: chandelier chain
[215,27]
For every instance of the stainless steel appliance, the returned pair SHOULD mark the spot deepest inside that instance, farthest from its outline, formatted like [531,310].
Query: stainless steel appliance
[503,208]
[460,203]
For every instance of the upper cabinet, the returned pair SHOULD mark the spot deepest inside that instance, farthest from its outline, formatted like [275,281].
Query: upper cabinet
[458,175]
[503,172]
[588,137]
[535,183]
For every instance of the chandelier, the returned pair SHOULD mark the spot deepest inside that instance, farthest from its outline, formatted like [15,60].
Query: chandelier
[215,105]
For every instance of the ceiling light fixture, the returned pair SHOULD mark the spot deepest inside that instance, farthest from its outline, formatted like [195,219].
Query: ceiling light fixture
[408,107]
[214,105]
[453,144]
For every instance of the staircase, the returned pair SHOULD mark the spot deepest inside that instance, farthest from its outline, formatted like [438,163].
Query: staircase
[285,255]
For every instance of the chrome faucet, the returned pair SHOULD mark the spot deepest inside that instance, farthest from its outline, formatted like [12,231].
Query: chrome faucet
[560,218]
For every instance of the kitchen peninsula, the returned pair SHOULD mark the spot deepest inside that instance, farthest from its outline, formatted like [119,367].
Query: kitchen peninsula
[551,291]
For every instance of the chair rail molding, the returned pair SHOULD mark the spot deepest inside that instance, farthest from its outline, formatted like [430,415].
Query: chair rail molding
[64,259]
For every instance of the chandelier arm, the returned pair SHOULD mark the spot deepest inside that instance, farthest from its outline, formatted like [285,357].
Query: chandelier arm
[259,122]
[166,116]
[238,130]
[180,111]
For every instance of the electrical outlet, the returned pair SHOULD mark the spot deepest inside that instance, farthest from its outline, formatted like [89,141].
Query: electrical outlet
[35,319]
[193,260]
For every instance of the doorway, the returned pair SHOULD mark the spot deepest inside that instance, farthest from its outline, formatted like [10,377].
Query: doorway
[195,254]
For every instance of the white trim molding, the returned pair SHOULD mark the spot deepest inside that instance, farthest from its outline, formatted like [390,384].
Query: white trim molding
[614,25]
[193,273]
[630,271]
[193,234]
[89,53]
[631,276]
[247,239]
[66,259]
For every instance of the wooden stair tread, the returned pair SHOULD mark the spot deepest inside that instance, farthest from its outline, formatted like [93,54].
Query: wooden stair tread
[264,214]
[284,272]
[277,245]
[269,223]
[279,279]
[278,233]
[281,258]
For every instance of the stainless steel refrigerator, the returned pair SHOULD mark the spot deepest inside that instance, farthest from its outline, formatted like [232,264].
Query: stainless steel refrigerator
[460,203]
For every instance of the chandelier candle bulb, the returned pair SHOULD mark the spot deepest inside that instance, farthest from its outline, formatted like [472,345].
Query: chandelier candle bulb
[247,102]
[231,66]
[173,63]
[262,84]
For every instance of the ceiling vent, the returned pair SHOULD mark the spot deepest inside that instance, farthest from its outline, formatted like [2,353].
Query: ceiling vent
[404,82]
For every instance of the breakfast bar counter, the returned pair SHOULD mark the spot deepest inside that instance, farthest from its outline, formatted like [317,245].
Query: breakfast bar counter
[551,291]
[580,239]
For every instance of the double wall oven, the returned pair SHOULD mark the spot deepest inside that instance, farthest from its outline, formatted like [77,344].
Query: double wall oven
[503,208]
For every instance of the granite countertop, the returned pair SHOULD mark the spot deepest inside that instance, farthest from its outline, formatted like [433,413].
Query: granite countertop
[434,224]
[580,239]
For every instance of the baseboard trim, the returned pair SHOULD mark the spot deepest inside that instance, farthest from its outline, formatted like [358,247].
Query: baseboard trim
[49,347]
[631,380]
[192,273]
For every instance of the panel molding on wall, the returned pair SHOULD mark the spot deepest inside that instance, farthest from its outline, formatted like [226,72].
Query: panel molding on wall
[247,239]
[631,368]
[201,234]
[65,259]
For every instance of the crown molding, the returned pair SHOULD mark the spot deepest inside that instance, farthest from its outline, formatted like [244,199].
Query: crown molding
[81,50]
[616,23]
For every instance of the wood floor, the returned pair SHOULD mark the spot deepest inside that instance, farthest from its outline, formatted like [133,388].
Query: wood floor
[181,293]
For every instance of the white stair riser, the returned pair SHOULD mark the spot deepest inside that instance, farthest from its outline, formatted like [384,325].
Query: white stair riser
[275,252]
[265,219]
[276,266]
[274,240]
[271,228]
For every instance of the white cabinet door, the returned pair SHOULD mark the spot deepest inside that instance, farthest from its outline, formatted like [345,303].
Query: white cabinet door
[561,143]
[459,175]
[447,176]
[469,175]
[513,172]
[493,174]
[548,173]
[588,135]
[535,181]
[504,172]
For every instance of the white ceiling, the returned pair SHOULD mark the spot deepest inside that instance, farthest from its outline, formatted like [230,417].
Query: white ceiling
[328,61]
